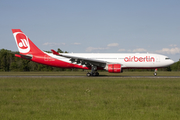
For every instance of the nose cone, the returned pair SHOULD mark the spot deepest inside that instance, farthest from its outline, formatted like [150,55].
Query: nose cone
[171,62]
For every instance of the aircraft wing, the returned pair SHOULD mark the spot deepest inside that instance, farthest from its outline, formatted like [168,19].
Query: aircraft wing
[82,60]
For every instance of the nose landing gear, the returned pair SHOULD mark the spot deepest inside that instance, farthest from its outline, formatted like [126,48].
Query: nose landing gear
[155,72]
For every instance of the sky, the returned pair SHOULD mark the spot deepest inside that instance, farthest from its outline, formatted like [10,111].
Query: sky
[94,26]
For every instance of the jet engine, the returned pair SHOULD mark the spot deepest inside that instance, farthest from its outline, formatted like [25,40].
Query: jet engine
[114,68]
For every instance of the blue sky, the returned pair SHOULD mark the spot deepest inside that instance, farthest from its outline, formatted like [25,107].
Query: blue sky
[96,26]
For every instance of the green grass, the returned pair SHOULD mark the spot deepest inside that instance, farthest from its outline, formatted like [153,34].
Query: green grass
[90,98]
[83,73]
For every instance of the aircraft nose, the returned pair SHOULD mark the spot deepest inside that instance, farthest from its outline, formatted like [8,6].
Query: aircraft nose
[171,62]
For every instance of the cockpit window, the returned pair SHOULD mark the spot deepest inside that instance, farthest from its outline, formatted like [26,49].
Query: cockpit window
[167,58]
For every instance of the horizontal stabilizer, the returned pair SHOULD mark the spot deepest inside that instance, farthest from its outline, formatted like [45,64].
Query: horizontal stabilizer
[28,57]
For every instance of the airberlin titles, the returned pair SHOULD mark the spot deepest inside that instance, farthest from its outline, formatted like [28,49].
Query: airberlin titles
[139,59]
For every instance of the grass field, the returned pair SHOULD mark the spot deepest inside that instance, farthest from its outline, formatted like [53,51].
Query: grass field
[89,98]
[83,73]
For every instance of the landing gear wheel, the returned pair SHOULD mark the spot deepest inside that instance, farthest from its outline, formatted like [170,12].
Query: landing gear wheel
[155,74]
[94,74]
[88,74]
[93,71]
[97,74]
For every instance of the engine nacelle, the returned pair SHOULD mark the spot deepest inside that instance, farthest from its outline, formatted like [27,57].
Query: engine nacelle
[114,68]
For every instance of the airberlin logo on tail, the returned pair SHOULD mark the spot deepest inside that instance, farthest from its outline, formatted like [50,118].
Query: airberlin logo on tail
[139,59]
[22,42]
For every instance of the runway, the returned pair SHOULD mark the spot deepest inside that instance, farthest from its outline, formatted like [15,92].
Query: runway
[101,76]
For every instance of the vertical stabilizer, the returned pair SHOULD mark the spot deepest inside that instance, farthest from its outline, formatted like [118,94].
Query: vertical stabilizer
[24,44]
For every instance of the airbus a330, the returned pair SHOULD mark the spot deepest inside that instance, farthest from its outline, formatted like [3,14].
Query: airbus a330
[111,62]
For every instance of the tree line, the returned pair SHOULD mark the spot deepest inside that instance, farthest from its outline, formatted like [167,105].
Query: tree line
[8,62]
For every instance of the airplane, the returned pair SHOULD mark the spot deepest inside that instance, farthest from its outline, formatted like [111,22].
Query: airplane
[111,62]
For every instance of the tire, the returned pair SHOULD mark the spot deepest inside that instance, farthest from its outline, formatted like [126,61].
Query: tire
[97,74]
[155,74]
[88,74]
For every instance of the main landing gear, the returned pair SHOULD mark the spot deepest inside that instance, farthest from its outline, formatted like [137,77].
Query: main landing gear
[155,72]
[93,72]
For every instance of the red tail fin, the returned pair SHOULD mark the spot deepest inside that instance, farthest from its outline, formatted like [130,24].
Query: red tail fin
[24,44]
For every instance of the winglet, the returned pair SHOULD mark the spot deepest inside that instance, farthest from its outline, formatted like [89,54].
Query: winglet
[54,52]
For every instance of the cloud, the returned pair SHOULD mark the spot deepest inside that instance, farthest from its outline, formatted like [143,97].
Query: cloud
[53,44]
[175,50]
[47,43]
[139,50]
[173,45]
[89,49]
[76,43]
[113,45]
[121,50]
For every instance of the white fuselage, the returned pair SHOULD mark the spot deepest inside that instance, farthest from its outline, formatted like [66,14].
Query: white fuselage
[127,60]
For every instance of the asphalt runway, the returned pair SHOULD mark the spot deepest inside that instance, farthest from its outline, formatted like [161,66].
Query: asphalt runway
[101,76]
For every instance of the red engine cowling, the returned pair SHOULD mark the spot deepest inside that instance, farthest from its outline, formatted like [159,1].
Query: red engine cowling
[114,68]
